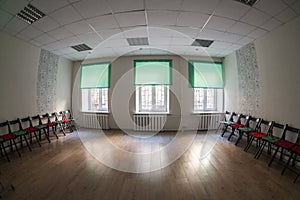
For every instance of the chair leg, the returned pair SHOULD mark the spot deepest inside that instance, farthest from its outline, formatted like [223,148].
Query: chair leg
[47,135]
[249,144]
[54,132]
[37,139]
[287,164]
[273,157]
[231,134]
[5,153]
[296,177]
[16,147]
[239,138]
[26,142]
[260,150]
[225,129]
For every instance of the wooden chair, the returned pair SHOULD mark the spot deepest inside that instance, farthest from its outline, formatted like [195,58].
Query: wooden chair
[229,121]
[272,138]
[251,125]
[17,130]
[26,125]
[242,120]
[8,137]
[45,122]
[33,126]
[226,119]
[287,141]
[264,128]
[68,120]
[56,123]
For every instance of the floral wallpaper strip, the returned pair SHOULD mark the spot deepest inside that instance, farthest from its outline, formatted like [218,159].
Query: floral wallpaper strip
[248,76]
[46,83]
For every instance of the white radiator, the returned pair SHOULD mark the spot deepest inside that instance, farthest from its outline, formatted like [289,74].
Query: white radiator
[149,122]
[95,120]
[209,121]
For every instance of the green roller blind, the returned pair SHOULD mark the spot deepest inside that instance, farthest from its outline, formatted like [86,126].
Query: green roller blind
[95,75]
[153,72]
[205,74]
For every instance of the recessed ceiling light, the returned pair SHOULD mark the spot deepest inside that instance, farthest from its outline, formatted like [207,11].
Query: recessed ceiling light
[81,47]
[138,41]
[30,14]
[248,2]
[202,43]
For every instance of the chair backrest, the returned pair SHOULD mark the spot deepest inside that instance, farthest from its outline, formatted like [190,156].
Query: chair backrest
[58,116]
[279,130]
[44,119]
[36,120]
[67,114]
[4,128]
[291,134]
[15,125]
[241,118]
[52,117]
[265,126]
[254,122]
[26,122]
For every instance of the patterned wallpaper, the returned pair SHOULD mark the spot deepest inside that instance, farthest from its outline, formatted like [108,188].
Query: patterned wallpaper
[46,85]
[248,76]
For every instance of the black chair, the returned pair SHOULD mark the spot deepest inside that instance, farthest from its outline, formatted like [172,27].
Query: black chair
[251,125]
[230,120]
[241,121]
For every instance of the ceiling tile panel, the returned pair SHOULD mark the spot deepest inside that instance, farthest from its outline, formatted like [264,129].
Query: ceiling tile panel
[231,9]
[257,33]
[13,6]
[185,31]
[286,15]
[245,40]
[126,5]
[255,17]
[15,25]
[103,22]
[4,18]
[204,6]
[219,23]
[92,8]
[272,7]
[44,39]
[49,6]
[46,24]
[162,18]
[79,27]
[111,33]
[230,37]
[135,32]
[66,15]
[241,28]
[30,32]
[163,5]
[131,19]
[210,34]
[192,19]
[271,24]
[160,40]
[60,33]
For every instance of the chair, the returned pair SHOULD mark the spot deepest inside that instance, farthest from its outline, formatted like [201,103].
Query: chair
[226,122]
[251,125]
[32,126]
[286,143]
[272,138]
[8,137]
[18,131]
[263,124]
[242,120]
[53,118]
[295,151]
[226,119]
[45,122]
[68,120]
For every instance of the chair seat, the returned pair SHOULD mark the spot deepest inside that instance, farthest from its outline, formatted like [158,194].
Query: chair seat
[40,126]
[271,138]
[1,140]
[226,122]
[19,132]
[30,129]
[8,136]
[51,124]
[66,120]
[246,129]
[285,144]
[236,126]
[296,149]
[58,121]
[258,134]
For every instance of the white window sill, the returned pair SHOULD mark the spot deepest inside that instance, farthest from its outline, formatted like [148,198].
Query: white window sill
[152,113]
[207,112]
[98,111]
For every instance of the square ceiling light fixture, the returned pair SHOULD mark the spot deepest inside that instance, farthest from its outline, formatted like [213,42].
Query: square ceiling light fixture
[248,2]
[30,14]
[81,47]
[202,43]
[138,41]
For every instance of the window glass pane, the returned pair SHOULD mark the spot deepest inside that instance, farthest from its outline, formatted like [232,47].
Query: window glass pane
[205,99]
[95,99]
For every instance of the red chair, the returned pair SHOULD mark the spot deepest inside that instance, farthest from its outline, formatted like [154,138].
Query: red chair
[68,120]
[286,143]
[242,120]
[251,125]
[45,121]
[264,129]
[295,151]
[8,137]
[232,119]
[31,126]
[228,118]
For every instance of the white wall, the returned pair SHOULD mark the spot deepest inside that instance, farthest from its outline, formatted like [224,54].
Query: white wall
[277,56]
[18,79]
[123,101]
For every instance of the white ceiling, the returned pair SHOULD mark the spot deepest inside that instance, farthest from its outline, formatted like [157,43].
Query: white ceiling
[170,25]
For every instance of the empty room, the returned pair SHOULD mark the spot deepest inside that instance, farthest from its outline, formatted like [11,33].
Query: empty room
[149,99]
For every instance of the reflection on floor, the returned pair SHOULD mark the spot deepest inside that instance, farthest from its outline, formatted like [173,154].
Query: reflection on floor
[83,166]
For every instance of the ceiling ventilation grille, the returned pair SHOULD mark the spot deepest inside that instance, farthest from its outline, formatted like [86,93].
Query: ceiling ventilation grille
[138,41]
[202,43]
[81,47]
[248,2]
[30,14]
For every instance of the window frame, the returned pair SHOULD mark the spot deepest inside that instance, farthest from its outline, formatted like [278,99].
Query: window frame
[205,102]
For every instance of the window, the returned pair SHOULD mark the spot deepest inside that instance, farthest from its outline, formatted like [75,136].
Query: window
[206,79]
[152,98]
[152,79]
[95,81]
[205,99]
